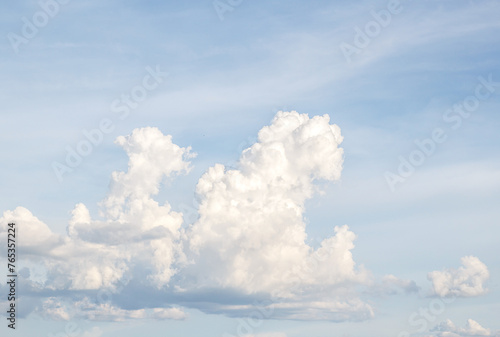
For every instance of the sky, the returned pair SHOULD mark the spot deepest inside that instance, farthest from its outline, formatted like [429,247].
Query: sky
[251,168]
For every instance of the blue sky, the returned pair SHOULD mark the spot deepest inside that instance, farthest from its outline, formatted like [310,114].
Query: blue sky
[229,74]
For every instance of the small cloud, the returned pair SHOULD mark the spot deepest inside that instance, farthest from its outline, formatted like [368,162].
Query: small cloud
[168,313]
[55,310]
[472,328]
[466,281]
[392,285]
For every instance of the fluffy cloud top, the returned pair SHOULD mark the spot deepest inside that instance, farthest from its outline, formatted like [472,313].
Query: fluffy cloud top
[251,231]
[251,219]
[465,281]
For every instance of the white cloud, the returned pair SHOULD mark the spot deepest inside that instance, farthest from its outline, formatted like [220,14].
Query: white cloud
[52,308]
[465,281]
[61,257]
[136,232]
[168,313]
[249,241]
[472,328]
[251,219]
[38,239]
[251,232]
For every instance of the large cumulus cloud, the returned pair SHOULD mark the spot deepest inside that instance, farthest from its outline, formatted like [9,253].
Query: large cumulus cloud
[251,230]
[248,243]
